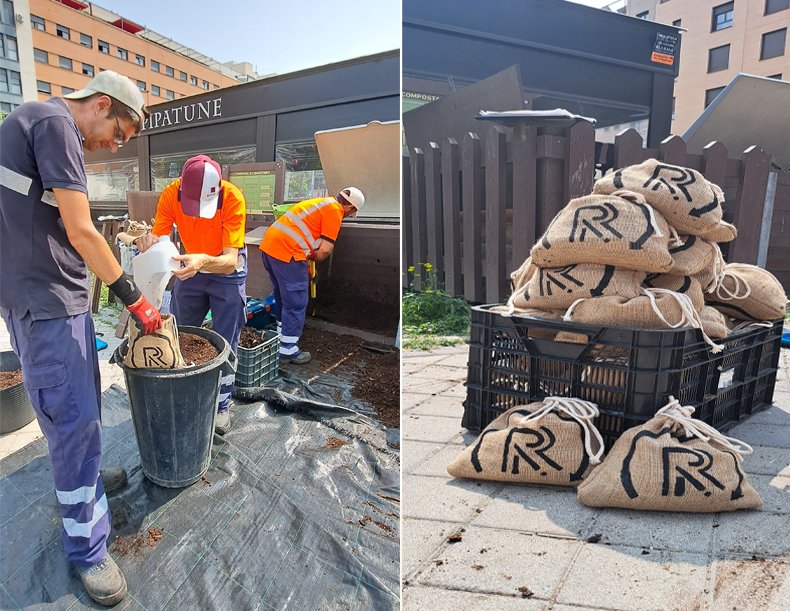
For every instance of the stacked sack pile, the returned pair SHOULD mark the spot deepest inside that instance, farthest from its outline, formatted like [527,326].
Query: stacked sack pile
[642,251]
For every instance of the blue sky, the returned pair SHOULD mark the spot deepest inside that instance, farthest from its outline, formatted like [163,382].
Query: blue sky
[273,36]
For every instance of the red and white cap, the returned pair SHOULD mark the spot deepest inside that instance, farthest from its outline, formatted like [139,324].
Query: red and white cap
[200,186]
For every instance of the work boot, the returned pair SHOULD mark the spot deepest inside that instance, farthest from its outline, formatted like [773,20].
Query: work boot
[222,423]
[104,582]
[113,478]
[300,358]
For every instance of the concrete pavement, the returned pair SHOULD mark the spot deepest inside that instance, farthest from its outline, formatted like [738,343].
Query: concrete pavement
[533,547]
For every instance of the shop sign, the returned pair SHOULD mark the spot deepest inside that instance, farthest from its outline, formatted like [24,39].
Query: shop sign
[184,114]
[664,49]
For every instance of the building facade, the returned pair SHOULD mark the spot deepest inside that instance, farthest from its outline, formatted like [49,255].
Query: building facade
[721,40]
[72,41]
[17,73]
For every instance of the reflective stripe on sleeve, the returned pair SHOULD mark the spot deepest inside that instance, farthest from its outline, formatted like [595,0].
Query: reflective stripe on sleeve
[15,181]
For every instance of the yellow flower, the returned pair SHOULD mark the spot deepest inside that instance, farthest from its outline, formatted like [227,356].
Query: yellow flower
[410,268]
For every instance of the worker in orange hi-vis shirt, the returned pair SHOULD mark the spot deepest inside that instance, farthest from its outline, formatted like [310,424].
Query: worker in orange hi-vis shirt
[306,232]
[210,214]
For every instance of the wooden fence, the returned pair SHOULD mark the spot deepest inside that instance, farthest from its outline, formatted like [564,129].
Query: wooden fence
[473,209]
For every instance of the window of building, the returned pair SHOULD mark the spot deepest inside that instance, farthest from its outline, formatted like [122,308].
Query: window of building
[63,31]
[3,80]
[154,65]
[8,12]
[87,69]
[86,41]
[778,77]
[722,17]
[182,76]
[169,70]
[673,108]
[773,44]
[104,47]
[43,87]
[711,94]
[14,82]
[169,94]
[6,107]
[64,62]
[123,54]
[304,177]
[676,23]
[193,80]
[774,6]
[140,60]
[141,85]
[2,46]
[643,15]
[37,23]
[108,181]
[166,168]
[155,90]
[65,90]
[41,56]
[205,85]
[9,49]
[719,58]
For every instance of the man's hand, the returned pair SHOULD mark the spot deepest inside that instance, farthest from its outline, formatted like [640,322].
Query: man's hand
[191,265]
[145,241]
[146,316]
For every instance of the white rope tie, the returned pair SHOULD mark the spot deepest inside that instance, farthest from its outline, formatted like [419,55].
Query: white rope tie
[567,317]
[719,265]
[739,284]
[746,324]
[681,415]
[675,240]
[688,315]
[582,411]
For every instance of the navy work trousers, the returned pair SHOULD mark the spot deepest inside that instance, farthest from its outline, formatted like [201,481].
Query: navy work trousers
[290,281]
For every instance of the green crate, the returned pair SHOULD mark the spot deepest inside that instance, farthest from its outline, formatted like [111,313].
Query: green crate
[280,209]
[258,365]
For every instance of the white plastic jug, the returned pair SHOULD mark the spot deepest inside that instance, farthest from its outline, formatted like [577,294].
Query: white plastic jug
[153,268]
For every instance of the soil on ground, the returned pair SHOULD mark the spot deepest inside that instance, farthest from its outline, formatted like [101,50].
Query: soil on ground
[250,337]
[10,378]
[196,349]
[376,375]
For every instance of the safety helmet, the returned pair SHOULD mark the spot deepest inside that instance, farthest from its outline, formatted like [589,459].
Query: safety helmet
[353,196]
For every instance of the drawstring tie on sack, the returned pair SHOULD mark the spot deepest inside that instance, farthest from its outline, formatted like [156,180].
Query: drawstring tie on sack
[581,411]
[638,198]
[689,316]
[739,283]
[681,415]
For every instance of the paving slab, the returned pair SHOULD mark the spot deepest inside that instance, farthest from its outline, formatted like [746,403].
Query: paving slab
[750,584]
[430,428]
[436,498]
[441,405]
[496,561]
[439,599]
[616,577]
[766,460]
[428,538]
[762,434]
[753,532]
[413,453]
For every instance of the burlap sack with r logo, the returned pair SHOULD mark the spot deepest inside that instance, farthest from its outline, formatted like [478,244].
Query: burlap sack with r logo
[158,350]
[553,441]
[673,462]
[748,292]
[618,229]
[556,288]
[693,256]
[684,198]
[685,285]
[714,324]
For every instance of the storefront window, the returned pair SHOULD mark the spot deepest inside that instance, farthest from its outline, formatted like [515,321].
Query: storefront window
[109,181]
[304,178]
[166,168]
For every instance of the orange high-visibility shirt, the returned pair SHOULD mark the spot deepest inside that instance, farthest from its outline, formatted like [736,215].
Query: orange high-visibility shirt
[300,230]
[203,236]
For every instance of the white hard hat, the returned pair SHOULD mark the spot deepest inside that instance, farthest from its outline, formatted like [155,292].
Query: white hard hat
[353,196]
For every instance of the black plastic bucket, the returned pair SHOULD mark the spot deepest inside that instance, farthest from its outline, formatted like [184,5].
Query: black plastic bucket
[173,412]
[16,410]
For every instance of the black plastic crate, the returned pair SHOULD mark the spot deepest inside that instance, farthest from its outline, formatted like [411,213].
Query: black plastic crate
[628,373]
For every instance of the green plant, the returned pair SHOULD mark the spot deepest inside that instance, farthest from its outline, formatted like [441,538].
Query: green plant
[431,317]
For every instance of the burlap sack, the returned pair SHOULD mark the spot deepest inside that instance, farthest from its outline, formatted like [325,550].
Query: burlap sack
[559,287]
[685,199]
[549,442]
[714,324]
[685,285]
[748,292]
[609,230]
[159,350]
[723,232]
[654,309]
[668,465]
[692,255]
[537,333]
[520,277]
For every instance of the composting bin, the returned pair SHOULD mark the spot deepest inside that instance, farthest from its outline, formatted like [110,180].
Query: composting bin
[173,413]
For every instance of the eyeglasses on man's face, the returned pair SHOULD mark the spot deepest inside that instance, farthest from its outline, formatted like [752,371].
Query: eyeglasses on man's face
[118,141]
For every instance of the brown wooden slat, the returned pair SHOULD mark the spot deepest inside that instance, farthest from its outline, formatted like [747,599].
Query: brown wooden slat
[628,149]
[419,246]
[579,160]
[674,151]
[551,177]
[748,207]
[472,203]
[407,247]
[451,211]
[496,202]
[525,231]
[433,210]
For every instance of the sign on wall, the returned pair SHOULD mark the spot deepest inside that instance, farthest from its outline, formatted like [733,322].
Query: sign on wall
[261,184]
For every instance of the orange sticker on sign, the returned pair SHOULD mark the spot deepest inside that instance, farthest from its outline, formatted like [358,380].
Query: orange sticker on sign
[661,58]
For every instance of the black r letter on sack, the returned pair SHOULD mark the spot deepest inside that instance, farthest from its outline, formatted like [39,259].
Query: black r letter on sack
[552,277]
[543,441]
[681,177]
[608,272]
[595,219]
[699,461]
[698,212]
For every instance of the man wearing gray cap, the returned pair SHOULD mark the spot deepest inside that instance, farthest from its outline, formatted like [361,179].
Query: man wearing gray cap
[47,244]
